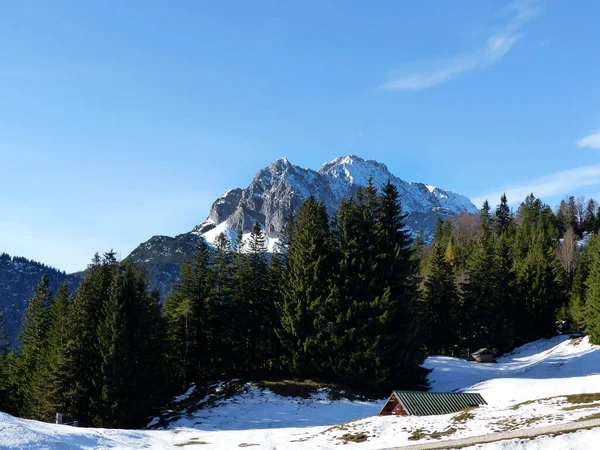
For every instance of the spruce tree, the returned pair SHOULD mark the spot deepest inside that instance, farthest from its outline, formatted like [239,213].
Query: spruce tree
[4,365]
[577,303]
[32,372]
[130,336]
[58,332]
[262,312]
[440,305]
[477,289]
[503,214]
[399,353]
[186,314]
[82,368]
[592,295]
[221,309]
[304,290]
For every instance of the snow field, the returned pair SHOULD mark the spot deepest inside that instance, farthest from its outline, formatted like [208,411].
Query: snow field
[525,389]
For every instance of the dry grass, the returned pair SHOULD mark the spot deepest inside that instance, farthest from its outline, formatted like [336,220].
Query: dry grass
[584,406]
[463,416]
[583,398]
[420,433]
[590,417]
[354,437]
[193,441]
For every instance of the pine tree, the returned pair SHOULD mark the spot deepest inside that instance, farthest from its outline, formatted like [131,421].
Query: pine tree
[477,289]
[305,289]
[82,368]
[4,366]
[590,216]
[130,336]
[592,296]
[58,331]
[503,215]
[504,305]
[262,313]
[399,353]
[374,338]
[221,310]
[32,373]
[186,314]
[577,304]
[440,305]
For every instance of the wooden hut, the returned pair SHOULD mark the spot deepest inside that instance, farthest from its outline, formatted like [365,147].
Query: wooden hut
[417,403]
[484,355]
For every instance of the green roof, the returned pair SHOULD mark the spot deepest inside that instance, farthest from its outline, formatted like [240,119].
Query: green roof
[421,403]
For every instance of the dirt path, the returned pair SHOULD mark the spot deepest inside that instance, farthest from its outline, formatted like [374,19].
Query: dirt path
[501,436]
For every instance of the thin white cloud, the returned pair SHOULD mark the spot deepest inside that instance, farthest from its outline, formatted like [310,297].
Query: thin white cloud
[490,53]
[557,184]
[590,141]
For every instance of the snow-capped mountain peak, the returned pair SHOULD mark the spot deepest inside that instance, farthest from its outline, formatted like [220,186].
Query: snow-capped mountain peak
[283,186]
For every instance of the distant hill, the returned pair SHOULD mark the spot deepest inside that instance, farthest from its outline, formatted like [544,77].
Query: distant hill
[18,276]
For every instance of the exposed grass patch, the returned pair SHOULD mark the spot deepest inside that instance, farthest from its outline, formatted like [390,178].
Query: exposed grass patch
[531,420]
[243,444]
[590,417]
[584,406]
[354,437]
[463,416]
[583,398]
[528,402]
[192,442]
[340,427]
[420,433]
[291,388]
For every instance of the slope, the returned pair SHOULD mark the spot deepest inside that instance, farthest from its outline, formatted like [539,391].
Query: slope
[538,384]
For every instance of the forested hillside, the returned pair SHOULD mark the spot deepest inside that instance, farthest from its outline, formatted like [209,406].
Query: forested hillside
[353,299]
[18,277]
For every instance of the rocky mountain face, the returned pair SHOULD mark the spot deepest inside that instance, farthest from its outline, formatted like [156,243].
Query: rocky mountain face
[281,187]
[274,191]
[18,277]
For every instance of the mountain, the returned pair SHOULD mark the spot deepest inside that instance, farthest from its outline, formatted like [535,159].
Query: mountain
[281,187]
[268,199]
[18,277]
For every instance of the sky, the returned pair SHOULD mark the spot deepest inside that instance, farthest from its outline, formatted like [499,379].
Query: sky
[124,120]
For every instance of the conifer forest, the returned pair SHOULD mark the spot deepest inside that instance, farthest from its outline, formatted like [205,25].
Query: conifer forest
[347,295]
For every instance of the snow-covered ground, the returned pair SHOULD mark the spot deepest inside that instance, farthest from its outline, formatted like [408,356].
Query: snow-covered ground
[527,388]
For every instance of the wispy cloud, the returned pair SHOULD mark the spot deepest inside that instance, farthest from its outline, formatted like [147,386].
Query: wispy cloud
[490,53]
[590,141]
[557,184]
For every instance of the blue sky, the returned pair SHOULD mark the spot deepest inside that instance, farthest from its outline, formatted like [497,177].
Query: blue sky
[121,120]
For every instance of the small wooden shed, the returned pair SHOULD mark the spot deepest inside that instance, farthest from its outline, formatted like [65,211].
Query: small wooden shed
[484,355]
[417,403]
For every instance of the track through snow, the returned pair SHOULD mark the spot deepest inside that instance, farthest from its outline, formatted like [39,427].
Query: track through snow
[524,390]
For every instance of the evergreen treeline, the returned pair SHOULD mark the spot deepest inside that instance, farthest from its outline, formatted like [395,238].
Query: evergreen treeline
[347,297]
